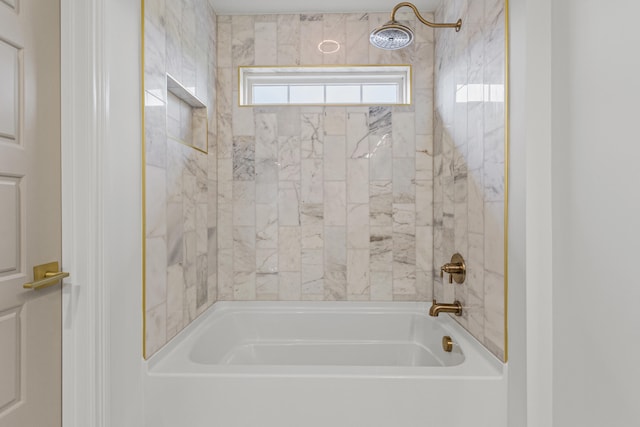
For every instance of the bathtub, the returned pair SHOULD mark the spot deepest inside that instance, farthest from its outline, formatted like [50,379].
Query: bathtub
[329,364]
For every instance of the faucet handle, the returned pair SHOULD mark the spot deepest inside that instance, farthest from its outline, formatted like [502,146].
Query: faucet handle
[457,269]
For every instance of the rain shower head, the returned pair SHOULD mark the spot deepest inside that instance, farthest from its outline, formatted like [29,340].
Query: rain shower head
[394,35]
[391,36]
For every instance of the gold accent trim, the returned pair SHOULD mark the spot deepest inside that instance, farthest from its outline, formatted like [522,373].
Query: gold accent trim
[506,181]
[144,192]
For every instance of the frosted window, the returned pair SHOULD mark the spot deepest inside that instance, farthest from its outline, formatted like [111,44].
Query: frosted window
[343,94]
[306,95]
[385,94]
[270,94]
[348,85]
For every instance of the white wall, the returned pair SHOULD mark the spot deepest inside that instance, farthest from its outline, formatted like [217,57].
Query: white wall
[596,206]
[573,89]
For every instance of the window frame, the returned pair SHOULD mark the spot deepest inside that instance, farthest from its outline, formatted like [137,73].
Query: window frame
[250,77]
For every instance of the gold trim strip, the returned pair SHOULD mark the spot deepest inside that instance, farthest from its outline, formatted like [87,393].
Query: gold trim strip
[506,181]
[144,193]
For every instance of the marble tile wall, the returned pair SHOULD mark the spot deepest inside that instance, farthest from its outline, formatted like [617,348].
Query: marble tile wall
[469,159]
[180,182]
[323,203]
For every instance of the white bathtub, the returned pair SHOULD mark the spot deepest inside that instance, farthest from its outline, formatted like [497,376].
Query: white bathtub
[324,364]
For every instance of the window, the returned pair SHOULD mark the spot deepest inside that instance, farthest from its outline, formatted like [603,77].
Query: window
[336,85]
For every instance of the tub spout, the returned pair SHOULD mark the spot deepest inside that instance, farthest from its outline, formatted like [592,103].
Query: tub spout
[436,308]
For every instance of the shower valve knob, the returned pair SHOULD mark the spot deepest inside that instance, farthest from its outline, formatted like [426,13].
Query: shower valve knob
[456,269]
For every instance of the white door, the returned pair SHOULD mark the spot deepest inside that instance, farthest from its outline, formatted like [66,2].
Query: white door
[30,221]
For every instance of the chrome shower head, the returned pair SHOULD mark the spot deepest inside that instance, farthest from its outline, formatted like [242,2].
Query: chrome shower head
[391,36]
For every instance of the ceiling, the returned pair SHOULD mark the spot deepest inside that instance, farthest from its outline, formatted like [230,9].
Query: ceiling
[253,7]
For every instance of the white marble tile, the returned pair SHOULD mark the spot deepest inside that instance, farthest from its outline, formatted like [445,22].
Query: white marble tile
[424,203]
[335,204]
[424,285]
[225,274]
[202,242]
[266,128]
[289,251]
[156,329]
[155,135]
[381,248]
[243,158]
[424,157]
[244,286]
[266,225]
[335,168]
[225,225]
[404,281]
[358,286]
[156,201]
[267,286]
[424,248]
[334,28]
[156,272]
[494,166]
[289,288]
[243,123]
[404,134]
[175,297]
[358,181]
[265,43]
[266,184]
[335,248]
[358,226]
[335,285]
[289,158]
[311,33]
[381,285]
[335,121]
[312,272]
[381,157]
[381,203]
[244,249]
[494,237]
[357,134]
[494,309]
[288,39]
[312,236]
[190,260]
[312,183]
[311,135]
[403,176]
[266,261]
[289,203]
[357,45]
[244,195]
[242,40]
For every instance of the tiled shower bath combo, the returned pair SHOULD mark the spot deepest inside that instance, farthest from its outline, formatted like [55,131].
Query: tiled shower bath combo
[357,206]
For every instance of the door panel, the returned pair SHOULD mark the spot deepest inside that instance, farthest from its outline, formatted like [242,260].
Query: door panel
[30,222]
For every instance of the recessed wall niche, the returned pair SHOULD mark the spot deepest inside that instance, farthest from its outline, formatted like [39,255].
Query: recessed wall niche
[186,116]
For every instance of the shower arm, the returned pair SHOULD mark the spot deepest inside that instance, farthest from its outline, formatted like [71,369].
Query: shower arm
[413,7]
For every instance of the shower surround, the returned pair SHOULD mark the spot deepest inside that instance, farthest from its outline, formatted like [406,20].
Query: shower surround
[323,203]
[180,181]
[469,164]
